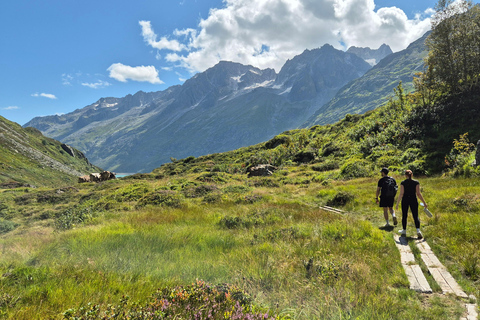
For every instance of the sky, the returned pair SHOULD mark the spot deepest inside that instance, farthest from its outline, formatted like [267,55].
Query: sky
[60,55]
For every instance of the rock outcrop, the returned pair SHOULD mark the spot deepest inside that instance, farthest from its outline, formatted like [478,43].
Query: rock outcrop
[97,177]
[261,170]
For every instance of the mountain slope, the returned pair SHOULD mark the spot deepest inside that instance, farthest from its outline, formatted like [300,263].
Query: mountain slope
[375,86]
[226,107]
[27,157]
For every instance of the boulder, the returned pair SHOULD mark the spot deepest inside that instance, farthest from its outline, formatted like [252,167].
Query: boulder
[107,175]
[261,170]
[85,178]
[95,177]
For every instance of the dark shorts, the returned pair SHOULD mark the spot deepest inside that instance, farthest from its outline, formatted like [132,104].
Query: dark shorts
[387,202]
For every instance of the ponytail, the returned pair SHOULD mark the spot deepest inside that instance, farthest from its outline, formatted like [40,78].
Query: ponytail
[409,174]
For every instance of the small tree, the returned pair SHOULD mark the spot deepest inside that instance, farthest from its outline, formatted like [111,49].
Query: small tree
[454,46]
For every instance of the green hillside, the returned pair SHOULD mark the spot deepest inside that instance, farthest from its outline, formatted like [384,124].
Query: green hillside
[197,236]
[29,158]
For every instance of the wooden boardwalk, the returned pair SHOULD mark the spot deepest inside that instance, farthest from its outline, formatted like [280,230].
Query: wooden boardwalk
[440,274]
[415,276]
[417,279]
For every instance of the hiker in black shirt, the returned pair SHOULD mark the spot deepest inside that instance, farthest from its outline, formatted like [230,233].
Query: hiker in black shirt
[409,191]
[387,197]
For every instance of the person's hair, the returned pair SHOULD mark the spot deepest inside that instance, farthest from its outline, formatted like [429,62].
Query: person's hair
[409,174]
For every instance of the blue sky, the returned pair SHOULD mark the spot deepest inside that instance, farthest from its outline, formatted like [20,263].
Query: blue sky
[60,55]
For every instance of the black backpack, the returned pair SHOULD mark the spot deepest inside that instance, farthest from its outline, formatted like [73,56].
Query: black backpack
[390,187]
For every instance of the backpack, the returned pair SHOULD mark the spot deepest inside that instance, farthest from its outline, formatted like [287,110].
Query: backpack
[390,187]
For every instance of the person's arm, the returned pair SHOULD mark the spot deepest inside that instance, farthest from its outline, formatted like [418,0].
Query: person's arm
[402,190]
[378,193]
[419,194]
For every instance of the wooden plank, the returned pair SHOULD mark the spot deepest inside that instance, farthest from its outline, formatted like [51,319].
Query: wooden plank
[471,312]
[439,272]
[421,280]
[334,210]
[453,284]
[414,273]
[437,275]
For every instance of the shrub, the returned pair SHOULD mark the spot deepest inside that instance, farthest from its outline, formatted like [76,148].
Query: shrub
[69,218]
[212,198]
[25,199]
[196,301]
[326,166]
[340,199]
[213,177]
[355,168]
[131,192]
[7,226]
[265,182]
[236,189]
[161,197]
[281,139]
[199,191]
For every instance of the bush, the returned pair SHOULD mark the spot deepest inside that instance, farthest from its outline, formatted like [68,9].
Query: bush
[236,189]
[212,198]
[340,199]
[355,168]
[281,139]
[196,301]
[326,166]
[161,197]
[69,218]
[214,177]
[131,192]
[199,191]
[7,226]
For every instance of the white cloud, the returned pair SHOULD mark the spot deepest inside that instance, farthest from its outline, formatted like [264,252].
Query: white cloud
[44,95]
[67,79]
[11,108]
[122,73]
[97,85]
[265,33]
[151,38]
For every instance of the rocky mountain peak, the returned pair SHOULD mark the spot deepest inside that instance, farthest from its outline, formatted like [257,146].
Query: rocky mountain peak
[322,69]
[372,56]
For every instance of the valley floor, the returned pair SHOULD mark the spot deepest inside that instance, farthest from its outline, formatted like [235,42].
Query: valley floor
[64,248]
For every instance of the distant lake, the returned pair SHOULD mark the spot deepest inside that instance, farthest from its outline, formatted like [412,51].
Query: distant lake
[121,175]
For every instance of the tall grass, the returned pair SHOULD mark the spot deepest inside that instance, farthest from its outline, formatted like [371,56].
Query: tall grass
[293,258]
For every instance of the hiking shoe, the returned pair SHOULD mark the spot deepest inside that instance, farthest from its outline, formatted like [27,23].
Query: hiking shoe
[387,225]
[395,221]
[419,235]
[403,232]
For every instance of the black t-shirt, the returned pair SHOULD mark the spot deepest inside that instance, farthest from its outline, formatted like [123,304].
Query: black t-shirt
[382,183]
[410,187]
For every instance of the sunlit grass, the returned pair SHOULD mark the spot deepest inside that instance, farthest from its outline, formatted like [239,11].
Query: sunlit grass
[292,257]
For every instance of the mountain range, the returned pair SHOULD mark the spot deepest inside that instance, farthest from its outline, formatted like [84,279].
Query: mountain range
[226,107]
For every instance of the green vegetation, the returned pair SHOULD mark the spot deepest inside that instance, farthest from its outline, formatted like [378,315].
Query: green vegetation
[261,244]
[29,158]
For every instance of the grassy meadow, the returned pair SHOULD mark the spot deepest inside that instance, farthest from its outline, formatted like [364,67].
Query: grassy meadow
[77,252]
